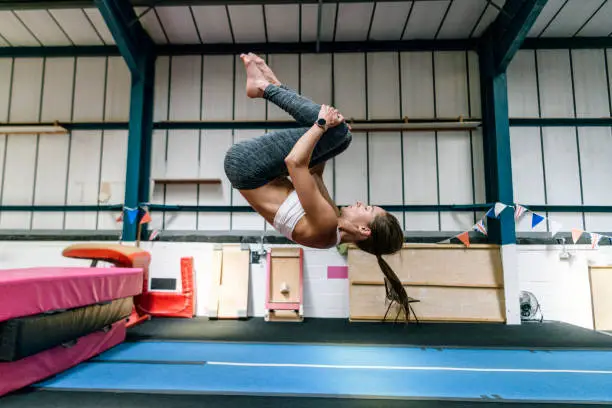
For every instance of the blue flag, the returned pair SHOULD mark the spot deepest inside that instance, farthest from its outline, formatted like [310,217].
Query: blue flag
[536,219]
[491,213]
[131,214]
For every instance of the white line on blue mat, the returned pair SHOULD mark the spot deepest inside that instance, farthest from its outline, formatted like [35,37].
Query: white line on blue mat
[408,368]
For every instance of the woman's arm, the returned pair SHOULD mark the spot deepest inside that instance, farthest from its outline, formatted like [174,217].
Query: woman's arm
[302,150]
[298,160]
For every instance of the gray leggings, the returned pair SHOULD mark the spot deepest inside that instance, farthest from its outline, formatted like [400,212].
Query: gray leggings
[253,163]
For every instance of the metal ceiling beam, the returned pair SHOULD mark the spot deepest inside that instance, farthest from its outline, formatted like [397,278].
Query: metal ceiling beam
[310,47]
[59,4]
[566,43]
[133,42]
[510,29]
[235,49]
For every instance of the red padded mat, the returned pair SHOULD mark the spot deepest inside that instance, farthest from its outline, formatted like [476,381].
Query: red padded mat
[27,371]
[31,291]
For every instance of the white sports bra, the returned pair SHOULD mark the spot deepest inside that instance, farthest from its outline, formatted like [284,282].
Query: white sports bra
[289,214]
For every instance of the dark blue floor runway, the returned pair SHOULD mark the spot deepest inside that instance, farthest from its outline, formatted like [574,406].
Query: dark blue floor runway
[345,371]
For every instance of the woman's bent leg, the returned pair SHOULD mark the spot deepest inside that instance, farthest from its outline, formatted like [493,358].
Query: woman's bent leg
[255,162]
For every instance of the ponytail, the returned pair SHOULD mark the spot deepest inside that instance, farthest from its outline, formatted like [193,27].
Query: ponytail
[395,290]
[387,237]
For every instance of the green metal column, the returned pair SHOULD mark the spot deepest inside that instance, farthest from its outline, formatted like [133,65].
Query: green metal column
[498,46]
[138,167]
[138,51]
[496,143]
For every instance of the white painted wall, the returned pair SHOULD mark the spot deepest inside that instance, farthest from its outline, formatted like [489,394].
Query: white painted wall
[562,287]
[322,297]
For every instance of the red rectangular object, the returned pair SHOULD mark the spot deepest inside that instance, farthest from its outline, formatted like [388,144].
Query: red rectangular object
[172,304]
[31,291]
[337,272]
[27,371]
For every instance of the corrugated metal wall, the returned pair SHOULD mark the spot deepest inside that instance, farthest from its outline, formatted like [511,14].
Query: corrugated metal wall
[562,165]
[551,165]
[62,169]
[382,168]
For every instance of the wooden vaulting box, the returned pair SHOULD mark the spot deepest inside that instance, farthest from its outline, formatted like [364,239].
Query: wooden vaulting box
[452,283]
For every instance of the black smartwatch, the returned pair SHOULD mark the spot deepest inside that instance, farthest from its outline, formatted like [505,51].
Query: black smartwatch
[322,123]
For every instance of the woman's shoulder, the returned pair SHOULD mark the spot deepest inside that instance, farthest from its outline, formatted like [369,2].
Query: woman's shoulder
[315,235]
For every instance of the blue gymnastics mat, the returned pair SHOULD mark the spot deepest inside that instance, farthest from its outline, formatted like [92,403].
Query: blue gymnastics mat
[345,371]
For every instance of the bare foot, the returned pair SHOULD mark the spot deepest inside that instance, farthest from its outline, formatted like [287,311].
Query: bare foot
[256,82]
[265,69]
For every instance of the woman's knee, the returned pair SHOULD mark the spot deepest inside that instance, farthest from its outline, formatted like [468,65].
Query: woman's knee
[233,164]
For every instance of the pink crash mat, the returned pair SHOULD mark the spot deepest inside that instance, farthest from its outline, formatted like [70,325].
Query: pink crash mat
[31,291]
[21,373]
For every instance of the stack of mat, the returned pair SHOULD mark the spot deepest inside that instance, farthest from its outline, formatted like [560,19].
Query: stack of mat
[53,318]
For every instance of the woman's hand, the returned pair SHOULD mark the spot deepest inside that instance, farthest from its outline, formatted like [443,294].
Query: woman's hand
[331,115]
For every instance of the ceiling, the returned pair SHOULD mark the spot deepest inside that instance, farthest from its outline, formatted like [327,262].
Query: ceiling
[292,22]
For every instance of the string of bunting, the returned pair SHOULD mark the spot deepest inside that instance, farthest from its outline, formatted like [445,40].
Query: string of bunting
[521,211]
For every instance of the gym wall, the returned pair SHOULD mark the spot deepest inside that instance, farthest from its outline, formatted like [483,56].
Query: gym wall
[62,169]
[553,165]
[562,166]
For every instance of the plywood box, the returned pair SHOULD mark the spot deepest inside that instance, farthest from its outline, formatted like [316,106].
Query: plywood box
[452,283]
[229,290]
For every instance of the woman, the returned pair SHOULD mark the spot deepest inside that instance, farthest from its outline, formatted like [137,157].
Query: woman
[301,208]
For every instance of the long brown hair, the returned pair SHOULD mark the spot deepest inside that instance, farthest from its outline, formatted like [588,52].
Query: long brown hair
[387,237]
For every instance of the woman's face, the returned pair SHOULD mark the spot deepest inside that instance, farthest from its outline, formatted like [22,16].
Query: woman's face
[360,214]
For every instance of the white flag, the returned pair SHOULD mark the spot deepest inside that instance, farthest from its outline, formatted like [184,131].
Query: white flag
[554,227]
[499,207]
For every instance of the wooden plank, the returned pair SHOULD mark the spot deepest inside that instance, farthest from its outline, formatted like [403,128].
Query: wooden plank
[234,291]
[436,304]
[286,252]
[473,247]
[285,273]
[601,297]
[284,316]
[186,181]
[440,285]
[215,282]
[455,266]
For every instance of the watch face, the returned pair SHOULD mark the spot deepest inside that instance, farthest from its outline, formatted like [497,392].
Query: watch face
[321,122]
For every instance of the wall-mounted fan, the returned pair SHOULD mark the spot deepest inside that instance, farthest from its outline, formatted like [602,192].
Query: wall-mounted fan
[530,308]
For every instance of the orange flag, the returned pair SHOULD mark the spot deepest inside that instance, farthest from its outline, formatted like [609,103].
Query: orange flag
[576,234]
[465,238]
[145,218]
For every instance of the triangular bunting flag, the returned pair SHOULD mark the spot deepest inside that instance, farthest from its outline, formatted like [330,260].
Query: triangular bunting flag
[536,219]
[446,241]
[491,213]
[131,214]
[499,207]
[480,227]
[555,227]
[518,211]
[465,238]
[119,218]
[145,218]
[595,238]
[576,234]
[154,234]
